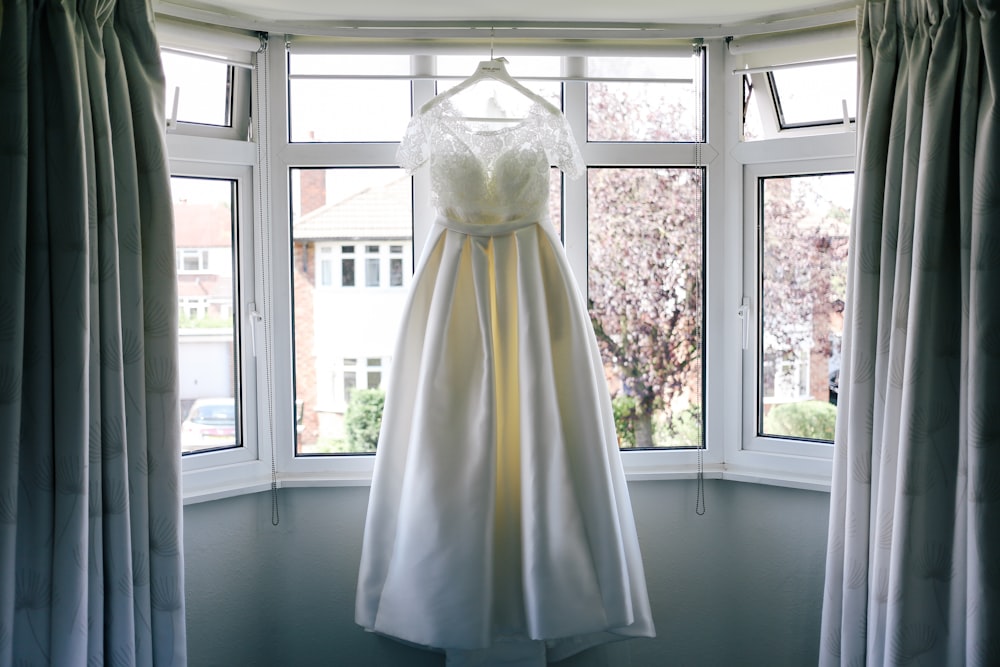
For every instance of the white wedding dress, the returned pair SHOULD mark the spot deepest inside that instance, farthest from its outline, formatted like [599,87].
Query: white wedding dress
[499,527]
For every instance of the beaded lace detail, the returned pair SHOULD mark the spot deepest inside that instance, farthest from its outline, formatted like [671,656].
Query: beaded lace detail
[489,176]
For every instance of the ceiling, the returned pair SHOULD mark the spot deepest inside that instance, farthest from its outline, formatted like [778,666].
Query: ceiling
[396,12]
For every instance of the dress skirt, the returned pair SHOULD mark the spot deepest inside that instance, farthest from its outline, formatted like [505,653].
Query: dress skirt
[499,511]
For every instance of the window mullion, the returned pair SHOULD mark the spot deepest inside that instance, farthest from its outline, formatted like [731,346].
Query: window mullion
[575,190]
[277,413]
[422,91]
[722,264]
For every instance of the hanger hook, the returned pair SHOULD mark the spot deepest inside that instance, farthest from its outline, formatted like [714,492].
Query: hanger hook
[492,33]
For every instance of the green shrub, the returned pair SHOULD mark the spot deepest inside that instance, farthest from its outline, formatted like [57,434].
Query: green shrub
[624,411]
[363,419]
[815,420]
[684,430]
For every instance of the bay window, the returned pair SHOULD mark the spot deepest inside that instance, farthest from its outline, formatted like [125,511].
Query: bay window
[707,238]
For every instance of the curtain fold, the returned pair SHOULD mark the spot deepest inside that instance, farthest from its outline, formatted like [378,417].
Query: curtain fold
[91,567]
[913,565]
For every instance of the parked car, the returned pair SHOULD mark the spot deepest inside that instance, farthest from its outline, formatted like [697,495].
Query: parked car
[210,423]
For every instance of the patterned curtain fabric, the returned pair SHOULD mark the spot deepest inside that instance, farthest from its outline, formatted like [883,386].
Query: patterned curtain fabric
[913,569]
[91,569]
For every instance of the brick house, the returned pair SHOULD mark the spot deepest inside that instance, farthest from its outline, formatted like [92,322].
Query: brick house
[352,262]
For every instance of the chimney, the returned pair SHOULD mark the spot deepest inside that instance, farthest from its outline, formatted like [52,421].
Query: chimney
[313,184]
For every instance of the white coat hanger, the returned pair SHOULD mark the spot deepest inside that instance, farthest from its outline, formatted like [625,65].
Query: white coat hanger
[493,69]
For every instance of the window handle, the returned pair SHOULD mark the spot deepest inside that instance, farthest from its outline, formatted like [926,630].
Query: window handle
[744,313]
[172,121]
[254,316]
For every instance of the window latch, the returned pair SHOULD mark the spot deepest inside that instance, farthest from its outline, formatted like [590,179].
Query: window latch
[254,317]
[172,121]
[744,313]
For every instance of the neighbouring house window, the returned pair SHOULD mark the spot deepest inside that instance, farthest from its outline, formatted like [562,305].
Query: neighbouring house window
[347,266]
[395,266]
[325,266]
[372,266]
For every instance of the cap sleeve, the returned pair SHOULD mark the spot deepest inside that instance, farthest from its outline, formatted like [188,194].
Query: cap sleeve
[414,148]
[561,148]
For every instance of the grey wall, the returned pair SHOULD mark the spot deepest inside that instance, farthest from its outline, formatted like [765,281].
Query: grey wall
[741,585]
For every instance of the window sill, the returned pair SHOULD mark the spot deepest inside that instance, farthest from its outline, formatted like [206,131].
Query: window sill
[211,485]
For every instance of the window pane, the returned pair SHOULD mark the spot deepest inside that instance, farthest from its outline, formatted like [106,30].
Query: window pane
[337,328]
[205,89]
[815,94]
[326,274]
[331,110]
[645,294]
[371,272]
[642,110]
[396,272]
[326,266]
[805,223]
[204,219]
[347,273]
[350,383]
[190,262]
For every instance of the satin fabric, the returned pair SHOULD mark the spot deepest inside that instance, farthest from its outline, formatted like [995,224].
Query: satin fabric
[499,511]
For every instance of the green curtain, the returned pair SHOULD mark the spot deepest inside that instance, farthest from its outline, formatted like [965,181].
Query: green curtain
[91,562]
[913,565]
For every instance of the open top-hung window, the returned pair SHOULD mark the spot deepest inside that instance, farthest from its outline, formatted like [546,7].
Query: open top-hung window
[800,85]
[208,76]
[817,93]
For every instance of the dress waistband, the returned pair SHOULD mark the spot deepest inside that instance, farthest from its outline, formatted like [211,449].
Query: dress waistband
[488,229]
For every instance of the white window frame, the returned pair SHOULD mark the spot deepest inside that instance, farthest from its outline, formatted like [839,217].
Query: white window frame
[795,458]
[214,152]
[235,48]
[728,163]
[244,278]
[771,122]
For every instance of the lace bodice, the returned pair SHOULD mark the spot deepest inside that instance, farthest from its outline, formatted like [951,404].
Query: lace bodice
[490,176]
